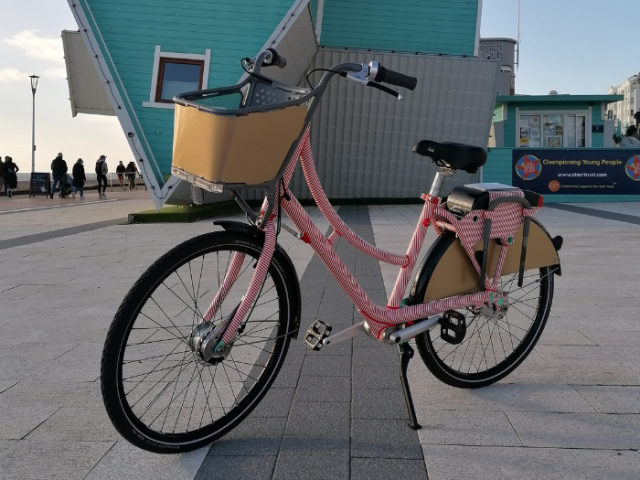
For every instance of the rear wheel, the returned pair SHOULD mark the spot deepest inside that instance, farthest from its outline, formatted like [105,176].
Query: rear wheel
[493,346]
[159,395]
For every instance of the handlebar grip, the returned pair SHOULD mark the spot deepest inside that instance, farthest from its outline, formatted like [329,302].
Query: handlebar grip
[395,78]
[277,60]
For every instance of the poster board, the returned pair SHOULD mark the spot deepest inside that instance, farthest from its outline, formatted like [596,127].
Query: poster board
[577,171]
[39,184]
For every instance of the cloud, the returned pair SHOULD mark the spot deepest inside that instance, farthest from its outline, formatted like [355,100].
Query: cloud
[37,47]
[12,75]
[55,73]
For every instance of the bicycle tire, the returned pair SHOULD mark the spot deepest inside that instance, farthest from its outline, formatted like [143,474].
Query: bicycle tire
[441,357]
[122,406]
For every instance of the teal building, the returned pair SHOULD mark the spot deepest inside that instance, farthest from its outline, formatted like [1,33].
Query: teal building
[572,141]
[145,52]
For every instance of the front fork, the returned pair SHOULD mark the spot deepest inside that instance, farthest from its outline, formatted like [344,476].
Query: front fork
[259,275]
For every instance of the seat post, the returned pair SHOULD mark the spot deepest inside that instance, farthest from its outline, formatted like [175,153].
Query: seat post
[438,181]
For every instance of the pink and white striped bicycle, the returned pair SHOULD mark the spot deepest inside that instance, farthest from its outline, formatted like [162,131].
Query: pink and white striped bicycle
[201,336]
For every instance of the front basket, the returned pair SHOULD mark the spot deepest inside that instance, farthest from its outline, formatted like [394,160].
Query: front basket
[217,144]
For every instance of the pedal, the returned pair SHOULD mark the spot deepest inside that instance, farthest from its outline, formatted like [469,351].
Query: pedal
[316,333]
[453,327]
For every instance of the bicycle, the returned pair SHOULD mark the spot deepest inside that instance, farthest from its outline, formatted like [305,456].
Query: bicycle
[201,336]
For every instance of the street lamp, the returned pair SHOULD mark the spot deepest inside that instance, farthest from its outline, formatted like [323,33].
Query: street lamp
[34,86]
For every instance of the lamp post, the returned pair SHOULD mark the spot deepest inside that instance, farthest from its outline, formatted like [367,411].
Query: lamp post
[34,86]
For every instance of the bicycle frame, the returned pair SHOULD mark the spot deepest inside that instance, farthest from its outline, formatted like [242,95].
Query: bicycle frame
[377,318]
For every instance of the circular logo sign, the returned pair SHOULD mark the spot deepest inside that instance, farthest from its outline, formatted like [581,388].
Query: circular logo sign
[528,167]
[554,185]
[632,168]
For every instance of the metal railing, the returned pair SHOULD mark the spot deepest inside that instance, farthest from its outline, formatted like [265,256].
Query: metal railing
[125,180]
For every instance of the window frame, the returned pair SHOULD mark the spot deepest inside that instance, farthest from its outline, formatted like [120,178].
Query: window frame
[160,58]
[588,122]
[178,61]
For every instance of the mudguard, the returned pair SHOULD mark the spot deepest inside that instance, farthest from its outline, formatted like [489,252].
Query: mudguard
[282,262]
[446,270]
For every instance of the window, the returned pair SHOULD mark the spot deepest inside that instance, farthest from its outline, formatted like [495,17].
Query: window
[178,76]
[175,73]
[553,130]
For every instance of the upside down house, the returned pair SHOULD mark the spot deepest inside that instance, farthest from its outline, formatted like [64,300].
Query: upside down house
[130,57]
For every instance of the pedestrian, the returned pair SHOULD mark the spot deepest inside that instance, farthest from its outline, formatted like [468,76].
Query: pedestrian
[131,170]
[101,171]
[630,141]
[2,182]
[120,169]
[78,178]
[58,171]
[11,176]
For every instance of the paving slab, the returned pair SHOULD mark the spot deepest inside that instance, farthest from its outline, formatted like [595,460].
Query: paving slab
[612,399]
[445,462]
[126,461]
[43,460]
[17,421]
[453,427]
[218,468]
[577,430]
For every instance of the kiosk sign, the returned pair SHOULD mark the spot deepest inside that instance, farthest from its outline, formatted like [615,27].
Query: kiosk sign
[39,184]
[611,172]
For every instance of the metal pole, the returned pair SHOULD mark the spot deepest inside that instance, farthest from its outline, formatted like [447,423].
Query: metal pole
[34,86]
[33,134]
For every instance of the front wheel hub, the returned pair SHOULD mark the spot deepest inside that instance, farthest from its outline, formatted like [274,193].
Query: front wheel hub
[206,343]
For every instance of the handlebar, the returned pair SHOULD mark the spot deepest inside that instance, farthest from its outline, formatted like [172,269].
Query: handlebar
[370,75]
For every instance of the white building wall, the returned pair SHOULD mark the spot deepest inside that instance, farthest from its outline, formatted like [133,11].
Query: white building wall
[624,110]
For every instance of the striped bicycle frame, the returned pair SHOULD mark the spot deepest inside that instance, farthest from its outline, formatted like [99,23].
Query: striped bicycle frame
[378,318]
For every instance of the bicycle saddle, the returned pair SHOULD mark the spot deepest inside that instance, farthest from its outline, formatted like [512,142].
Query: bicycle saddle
[456,155]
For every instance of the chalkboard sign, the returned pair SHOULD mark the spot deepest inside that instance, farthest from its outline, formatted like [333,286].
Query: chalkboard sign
[40,184]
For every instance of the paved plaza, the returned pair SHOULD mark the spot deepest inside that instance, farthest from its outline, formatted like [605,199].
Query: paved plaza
[570,411]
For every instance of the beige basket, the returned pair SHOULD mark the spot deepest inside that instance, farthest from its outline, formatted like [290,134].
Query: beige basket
[212,145]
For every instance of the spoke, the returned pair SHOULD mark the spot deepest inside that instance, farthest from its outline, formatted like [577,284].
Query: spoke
[165,314]
[193,299]
[166,329]
[230,384]
[178,297]
[172,396]
[138,360]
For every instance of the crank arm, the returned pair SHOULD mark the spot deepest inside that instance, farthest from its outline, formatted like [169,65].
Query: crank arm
[345,334]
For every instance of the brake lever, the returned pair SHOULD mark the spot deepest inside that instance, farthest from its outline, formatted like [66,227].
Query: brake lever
[384,89]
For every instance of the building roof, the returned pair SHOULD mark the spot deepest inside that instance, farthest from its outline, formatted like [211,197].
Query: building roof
[498,39]
[557,98]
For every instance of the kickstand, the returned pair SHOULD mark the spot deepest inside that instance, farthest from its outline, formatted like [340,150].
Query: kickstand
[406,354]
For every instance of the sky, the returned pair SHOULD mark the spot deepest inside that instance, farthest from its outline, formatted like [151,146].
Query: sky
[572,46]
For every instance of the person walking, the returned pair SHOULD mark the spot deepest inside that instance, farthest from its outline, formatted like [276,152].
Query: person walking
[58,171]
[131,170]
[11,176]
[630,141]
[78,178]
[2,183]
[120,169]
[101,171]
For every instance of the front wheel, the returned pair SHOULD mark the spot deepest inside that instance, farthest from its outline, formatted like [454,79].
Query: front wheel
[158,393]
[493,346]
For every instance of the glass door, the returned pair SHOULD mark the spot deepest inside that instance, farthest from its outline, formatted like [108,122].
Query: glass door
[553,131]
[570,137]
[581,131]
